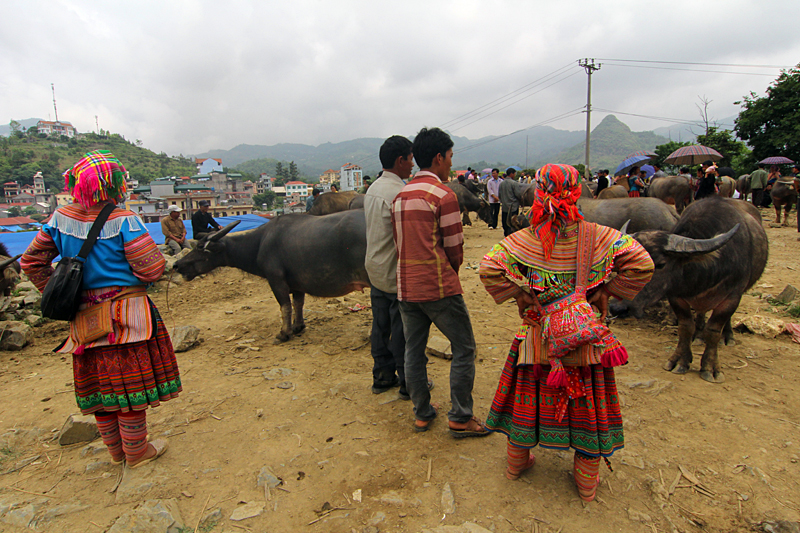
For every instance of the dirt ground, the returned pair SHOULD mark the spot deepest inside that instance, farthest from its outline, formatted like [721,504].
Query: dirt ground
[317,425]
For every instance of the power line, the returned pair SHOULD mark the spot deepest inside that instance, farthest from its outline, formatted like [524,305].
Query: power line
[691,70]
[515,102]
[665,119]
[702,64]
[505,97]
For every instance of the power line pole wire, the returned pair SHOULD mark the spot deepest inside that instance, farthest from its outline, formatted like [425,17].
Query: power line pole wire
[589,66]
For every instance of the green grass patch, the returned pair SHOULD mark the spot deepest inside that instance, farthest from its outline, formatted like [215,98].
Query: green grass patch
[794,310]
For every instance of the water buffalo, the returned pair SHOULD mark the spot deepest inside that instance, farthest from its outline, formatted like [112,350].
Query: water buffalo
[297,254]
[674,190]
[743,186]
[643,213]
[615,191]
[717,251]
[468,201]
[727,186]
[783,194]
[10,268]
[357,202]
[332,202]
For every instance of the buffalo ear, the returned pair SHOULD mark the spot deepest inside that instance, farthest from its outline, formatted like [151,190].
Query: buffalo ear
[8,262]
[224,231]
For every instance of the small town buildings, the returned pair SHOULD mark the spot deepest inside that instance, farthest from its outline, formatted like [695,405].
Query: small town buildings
[208,165]
[55,128]
[264,184]
[351,177]
[328,177]
[297,189]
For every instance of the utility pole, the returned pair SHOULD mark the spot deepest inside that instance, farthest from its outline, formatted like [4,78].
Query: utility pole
[53,87]
[96,125]
[590,66]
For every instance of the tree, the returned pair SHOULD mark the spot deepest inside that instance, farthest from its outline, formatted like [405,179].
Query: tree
[14,211]
[663,150]
[771,124]
[293,174]
[723,142]
[278,169]
[266,198]
[29,210]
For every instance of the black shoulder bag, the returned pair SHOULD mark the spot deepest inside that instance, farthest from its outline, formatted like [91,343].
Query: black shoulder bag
[61,296]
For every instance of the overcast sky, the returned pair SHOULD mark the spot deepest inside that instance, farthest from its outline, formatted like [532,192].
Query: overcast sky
[186,76]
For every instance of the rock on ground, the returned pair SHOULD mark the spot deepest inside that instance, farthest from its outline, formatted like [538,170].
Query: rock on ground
[185,338]
[78,428]
[439,347]
[15,335]
[466,527]
[153,516]
[248,510]
[760,325]
[448,501]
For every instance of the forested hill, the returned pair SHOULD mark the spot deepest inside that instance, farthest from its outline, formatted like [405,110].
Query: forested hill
[611,141]
[22,155]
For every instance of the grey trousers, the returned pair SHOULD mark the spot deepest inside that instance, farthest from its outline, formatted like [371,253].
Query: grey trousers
[178,246]
[387,339]
[452,318]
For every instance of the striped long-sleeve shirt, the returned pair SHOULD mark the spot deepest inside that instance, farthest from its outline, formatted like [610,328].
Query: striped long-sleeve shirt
[426,223]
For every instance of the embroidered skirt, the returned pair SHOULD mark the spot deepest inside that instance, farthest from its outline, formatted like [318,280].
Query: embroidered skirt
[127,377]
[634,194]
[524,409]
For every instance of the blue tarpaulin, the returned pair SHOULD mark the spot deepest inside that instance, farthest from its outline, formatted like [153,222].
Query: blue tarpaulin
[17,243]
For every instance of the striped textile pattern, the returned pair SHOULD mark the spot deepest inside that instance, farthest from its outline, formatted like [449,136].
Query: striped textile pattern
[37,261]
[525,409]
[127,377]
[427,231]
[146,261]
[97,177]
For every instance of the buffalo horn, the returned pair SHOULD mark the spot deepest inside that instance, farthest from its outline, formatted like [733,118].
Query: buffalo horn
[687,245]
[5,264]
[624,228]
[224,231]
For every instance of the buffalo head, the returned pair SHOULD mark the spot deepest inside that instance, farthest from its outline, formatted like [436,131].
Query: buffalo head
[208,255]
[485,211]
[10,269]
[669,253]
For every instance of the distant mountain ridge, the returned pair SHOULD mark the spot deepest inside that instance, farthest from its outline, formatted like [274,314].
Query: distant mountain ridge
[612,140]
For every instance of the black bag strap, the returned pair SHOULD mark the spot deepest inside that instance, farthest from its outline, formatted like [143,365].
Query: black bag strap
[94,232]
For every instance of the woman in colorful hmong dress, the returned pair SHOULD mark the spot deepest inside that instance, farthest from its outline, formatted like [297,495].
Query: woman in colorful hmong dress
[120,374]
[570,402]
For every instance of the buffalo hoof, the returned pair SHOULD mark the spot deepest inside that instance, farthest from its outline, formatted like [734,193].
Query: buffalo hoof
[282,337]
[298,329]
[675,367]
[707,375]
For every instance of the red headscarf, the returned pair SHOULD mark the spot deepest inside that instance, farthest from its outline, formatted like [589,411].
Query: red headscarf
[558,189]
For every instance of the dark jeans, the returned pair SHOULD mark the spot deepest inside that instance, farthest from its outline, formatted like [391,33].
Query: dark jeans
[452,318]
[507,228]
[495,211]
[388,342]
[758,197]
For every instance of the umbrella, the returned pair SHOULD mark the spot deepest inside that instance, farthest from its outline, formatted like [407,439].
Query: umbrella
[486,171]
[515,167]
[777,160]
[631,162]
[648,171]
[647,153]
[692,155]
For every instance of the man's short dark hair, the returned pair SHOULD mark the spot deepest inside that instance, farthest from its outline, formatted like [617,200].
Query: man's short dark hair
[496,170]
[428,144]
[708,162]
[315,191]
[684,170]
[511,171]
[761,165]
[392,148]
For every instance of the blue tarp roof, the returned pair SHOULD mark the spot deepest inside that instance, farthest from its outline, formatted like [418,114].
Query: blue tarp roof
[17,243]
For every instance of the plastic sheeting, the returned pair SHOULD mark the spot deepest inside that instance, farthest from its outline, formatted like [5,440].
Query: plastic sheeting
[17,243]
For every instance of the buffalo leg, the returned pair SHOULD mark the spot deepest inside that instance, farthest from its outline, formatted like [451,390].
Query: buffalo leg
[465,220]
[777,214]
[727,333]
[699,325]
[786,209]
[680,361]
[281,292]
[709,365]
[298,324]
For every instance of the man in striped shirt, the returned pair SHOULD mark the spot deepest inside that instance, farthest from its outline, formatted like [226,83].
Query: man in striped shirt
[427,231]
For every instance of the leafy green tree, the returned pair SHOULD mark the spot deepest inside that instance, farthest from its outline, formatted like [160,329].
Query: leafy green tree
[723,142]
[266,198]
[663,150]
[293,173]
[279,169]
[771,124]
[14,211]
[29,210]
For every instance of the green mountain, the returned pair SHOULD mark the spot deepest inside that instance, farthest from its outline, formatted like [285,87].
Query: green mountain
[611,141]
[22,156]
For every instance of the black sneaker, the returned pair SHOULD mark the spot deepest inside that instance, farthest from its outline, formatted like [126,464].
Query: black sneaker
[379,387]
[403,392]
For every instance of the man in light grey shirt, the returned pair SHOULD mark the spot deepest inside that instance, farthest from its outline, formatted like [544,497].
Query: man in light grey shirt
[510,194]
[388,342]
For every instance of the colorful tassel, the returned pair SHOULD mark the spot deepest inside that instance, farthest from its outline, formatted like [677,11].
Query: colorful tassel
[616,357]
[79,350]
[557,376]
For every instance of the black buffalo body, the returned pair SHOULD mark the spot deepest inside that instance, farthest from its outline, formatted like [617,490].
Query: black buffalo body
[469,201]
[717,251]
[297,254]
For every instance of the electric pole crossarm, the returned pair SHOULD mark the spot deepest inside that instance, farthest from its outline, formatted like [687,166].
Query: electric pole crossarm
[590,66]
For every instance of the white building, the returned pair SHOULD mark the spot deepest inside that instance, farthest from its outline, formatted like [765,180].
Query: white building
[298,188]
[55,128]
[264,183]
[351,177]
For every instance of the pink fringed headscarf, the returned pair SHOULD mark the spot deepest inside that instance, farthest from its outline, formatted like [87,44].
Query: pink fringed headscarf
[95,178]
[554,206]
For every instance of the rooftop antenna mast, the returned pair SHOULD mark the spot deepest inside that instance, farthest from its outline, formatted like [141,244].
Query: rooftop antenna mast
[53,87]
[97,125]
[590,66]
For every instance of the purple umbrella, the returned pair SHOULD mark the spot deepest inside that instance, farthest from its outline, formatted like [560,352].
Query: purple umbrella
[648,171]
[777,160]
[692,155]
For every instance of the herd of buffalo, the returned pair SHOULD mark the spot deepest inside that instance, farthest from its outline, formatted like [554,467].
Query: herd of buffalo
[706,258]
